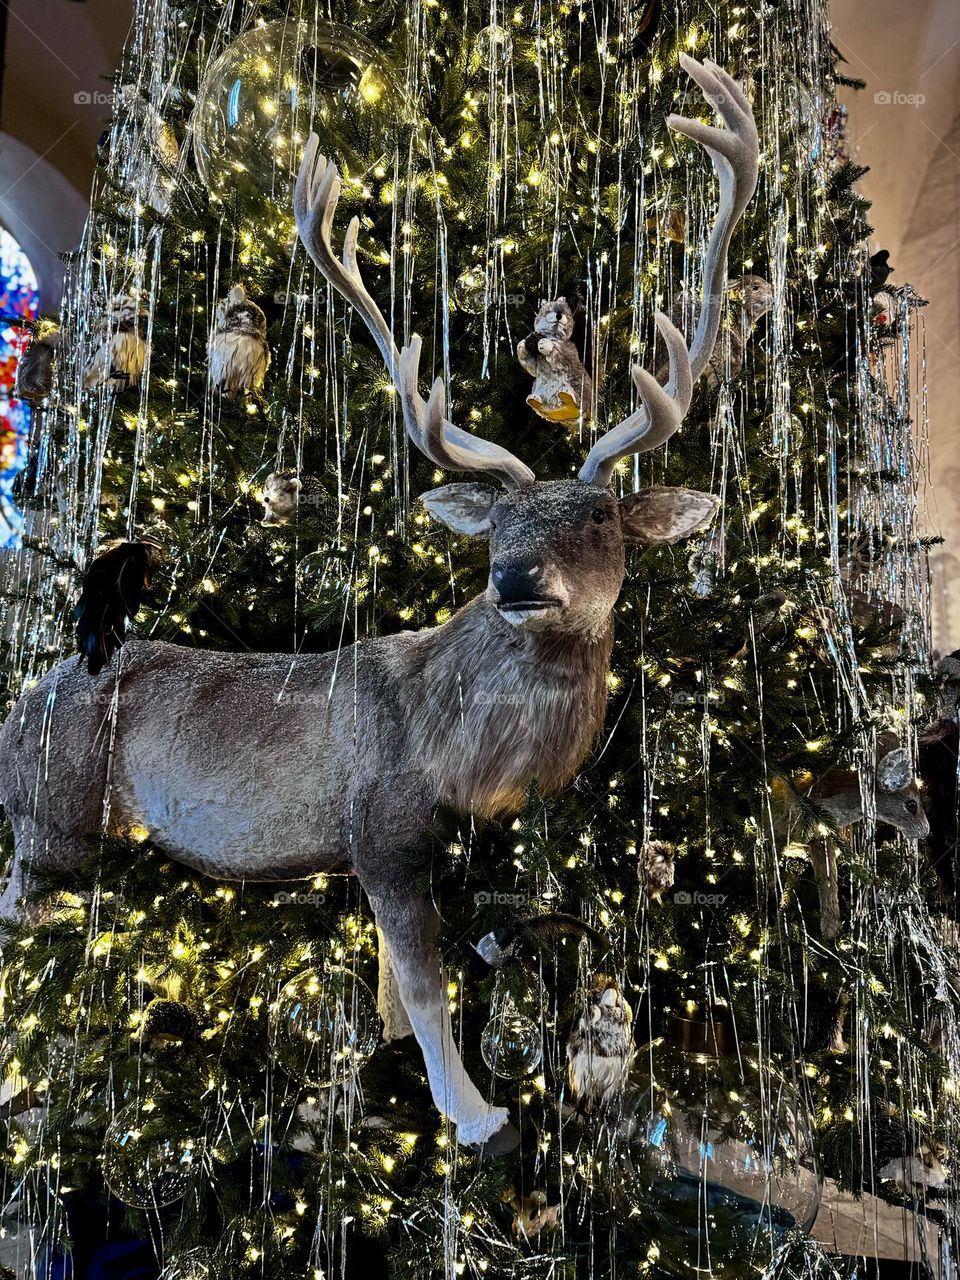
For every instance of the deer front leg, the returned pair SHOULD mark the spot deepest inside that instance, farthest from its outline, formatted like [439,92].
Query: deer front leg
[823,859]
[396,1024]
[408,926]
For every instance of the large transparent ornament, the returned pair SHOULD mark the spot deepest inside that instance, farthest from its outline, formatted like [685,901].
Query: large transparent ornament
[721,1159]
[145,1164]
[511,1043]
[268,89]
[325,1026]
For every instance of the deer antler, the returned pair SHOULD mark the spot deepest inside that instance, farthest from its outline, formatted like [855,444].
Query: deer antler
[314,206]
[735,155]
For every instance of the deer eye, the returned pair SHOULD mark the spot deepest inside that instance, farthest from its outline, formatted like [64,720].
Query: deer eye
[599,515]
[910,806]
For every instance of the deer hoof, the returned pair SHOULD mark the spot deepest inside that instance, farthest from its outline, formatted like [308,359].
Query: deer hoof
[481,1129]
[501,1143]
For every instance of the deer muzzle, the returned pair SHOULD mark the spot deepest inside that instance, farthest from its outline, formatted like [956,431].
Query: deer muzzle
[522,591]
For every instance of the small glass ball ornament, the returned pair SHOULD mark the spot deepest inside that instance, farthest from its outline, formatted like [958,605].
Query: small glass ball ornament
[321,572]
[324,1026]
[471,291]
[494,46]
[722,1156]
[145,1164]
[275,83]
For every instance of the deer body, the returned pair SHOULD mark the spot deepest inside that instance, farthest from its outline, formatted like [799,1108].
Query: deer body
[275,766]
[357,746]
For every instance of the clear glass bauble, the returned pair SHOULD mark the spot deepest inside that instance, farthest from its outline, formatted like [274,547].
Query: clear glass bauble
[471,290]
[324,1026]
[494,46]
[145,1165]
[511,1043]
[720,1160]
[320,572]
[271,86]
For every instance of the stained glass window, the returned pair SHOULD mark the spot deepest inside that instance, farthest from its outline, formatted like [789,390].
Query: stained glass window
[19,301]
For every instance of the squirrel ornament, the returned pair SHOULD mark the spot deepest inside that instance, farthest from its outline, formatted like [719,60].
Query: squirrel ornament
[562,388]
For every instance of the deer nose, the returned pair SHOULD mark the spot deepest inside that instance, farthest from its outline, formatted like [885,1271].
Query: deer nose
[516,582]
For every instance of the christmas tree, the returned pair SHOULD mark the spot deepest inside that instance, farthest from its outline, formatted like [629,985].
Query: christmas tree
[666,901]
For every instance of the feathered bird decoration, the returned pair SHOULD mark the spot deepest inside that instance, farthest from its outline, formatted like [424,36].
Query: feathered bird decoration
[600,1050]
[37,364]
[112,593]
[238,350]
[562,388]
[656,868]
[144,148]
[121,352]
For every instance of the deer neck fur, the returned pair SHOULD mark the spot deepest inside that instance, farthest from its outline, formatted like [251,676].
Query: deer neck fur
[490,707]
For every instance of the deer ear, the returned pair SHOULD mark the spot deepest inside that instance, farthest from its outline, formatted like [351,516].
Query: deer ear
[465,508]
[658,516]
[894,770]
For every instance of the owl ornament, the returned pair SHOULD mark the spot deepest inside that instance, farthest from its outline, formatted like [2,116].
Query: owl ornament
[238,350]
[562,388]
[750,298]
[600,1049]
[38,363]
[655,868]
[121,352]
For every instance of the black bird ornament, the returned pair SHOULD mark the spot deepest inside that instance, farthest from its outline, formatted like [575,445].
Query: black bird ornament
[113,590]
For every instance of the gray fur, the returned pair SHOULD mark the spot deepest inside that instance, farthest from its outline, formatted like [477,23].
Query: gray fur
[271,767]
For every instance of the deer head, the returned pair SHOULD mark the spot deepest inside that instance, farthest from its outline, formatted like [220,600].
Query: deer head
[557,547]
[897,799]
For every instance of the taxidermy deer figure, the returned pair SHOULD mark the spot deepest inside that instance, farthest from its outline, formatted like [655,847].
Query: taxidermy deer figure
[275,766]
[840,795]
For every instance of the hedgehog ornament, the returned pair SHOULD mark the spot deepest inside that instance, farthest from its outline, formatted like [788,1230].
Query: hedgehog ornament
[238,350]
[285,493]
[562,388]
